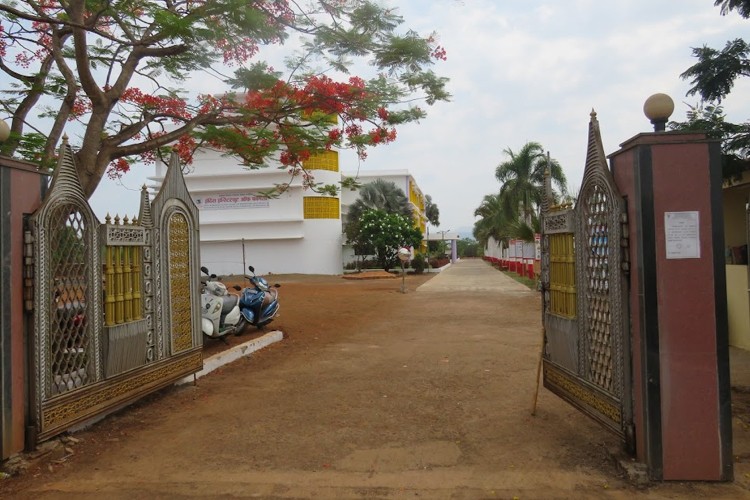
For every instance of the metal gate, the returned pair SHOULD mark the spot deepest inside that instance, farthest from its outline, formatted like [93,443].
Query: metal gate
[584,296]
[115,305]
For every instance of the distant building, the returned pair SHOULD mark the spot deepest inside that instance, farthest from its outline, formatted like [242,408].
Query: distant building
[300,231]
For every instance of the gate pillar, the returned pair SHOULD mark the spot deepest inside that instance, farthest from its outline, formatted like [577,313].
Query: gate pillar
[680,354]
[21,186]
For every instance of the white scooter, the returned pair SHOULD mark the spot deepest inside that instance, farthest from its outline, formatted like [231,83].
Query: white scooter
[220,311]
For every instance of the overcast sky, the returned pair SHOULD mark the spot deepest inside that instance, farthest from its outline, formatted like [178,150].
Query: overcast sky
[524,70]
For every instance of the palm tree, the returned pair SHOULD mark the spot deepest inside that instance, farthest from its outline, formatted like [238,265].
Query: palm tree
[522,178]
[493,222]
[431,211]
[380,195]
[377,195]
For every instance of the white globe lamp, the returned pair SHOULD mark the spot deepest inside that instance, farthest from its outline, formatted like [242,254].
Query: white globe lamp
[404,254]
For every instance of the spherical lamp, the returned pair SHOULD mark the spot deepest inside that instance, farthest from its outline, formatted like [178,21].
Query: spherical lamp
[4,131]
[658,108]
[404,254]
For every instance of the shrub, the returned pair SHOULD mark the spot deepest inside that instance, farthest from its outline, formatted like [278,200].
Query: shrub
[418,263]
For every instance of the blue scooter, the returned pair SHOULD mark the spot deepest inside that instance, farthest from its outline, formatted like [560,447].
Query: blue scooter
[259,303]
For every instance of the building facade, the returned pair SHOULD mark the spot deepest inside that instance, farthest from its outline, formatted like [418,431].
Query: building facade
[298,231]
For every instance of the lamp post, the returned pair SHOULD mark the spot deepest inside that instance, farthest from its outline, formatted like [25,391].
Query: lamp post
[403,256]
[658,108]
[442,239]
[427,227]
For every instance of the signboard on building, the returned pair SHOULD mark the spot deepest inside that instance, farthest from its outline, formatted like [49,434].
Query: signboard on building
[231,201]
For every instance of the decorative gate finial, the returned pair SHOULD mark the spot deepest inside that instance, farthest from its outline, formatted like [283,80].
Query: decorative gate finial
[547,187]
[596,158]
[65,175]
[144,215]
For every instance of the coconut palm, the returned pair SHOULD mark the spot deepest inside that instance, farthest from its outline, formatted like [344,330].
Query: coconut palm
[493,222]
[522,178]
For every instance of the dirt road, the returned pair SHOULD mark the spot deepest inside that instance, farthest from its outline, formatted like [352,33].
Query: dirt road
[373,394]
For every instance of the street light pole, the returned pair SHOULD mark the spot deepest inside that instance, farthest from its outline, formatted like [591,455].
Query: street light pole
[427,227]
[442,239]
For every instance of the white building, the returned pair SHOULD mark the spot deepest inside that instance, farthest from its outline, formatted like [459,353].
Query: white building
[300,231]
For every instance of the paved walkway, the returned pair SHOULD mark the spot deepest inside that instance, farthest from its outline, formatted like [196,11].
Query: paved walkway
[473,275]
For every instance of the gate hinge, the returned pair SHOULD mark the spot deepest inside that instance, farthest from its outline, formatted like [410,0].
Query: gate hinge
[28,271]
[625,242]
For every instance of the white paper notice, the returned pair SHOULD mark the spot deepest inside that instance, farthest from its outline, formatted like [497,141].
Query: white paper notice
[683,235]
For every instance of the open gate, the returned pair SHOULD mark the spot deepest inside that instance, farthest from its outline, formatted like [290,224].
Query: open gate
[584,296]
[115,305]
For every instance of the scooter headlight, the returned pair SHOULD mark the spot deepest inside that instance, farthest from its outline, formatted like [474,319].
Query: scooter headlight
[262,284]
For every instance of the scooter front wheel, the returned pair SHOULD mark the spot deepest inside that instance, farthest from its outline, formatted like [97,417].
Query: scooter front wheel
[239,328]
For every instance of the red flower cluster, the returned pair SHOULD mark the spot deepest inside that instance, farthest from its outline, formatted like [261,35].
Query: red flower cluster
[382,135]
[163,105]
[237,51]
[440,53]
[118,168]
[81,106]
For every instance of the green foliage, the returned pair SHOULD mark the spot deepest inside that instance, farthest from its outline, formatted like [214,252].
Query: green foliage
[522,179]
[383,234]
[712,78]
[83,62]
[431,211]
[741,6]
[514,211]
[379,195]
[350,183]
[710,119]
[468,247]
[418,263]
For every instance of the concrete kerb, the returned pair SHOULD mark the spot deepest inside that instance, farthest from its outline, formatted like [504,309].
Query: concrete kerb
[233,354]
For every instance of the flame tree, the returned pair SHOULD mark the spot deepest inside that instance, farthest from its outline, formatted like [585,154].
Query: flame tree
[118,68]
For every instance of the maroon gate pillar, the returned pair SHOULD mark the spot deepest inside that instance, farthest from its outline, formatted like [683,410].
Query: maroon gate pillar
[682,408]
[21,187]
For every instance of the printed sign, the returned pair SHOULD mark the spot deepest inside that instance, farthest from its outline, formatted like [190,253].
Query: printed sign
[682,235]
[231,201]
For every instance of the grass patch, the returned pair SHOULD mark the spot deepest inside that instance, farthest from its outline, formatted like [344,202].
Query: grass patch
[532,284]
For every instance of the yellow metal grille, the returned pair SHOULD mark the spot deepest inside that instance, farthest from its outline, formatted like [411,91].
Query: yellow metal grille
[179,282]
[328,160]
[562,275]
[122,286]
[321,207]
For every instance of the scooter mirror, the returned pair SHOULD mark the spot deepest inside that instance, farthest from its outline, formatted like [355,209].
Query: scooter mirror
[204,269]
[252,269]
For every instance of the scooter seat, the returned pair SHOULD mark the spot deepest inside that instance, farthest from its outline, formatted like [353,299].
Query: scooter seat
[229,301]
